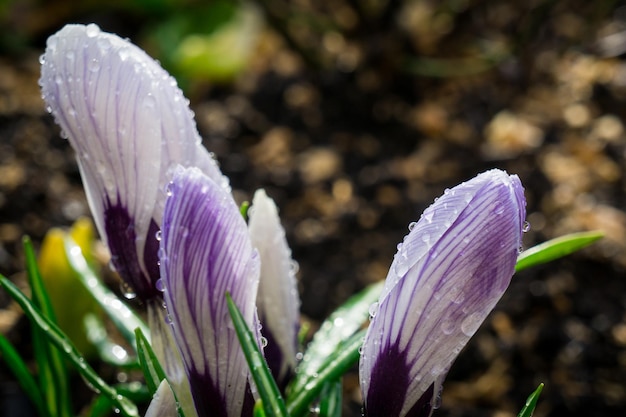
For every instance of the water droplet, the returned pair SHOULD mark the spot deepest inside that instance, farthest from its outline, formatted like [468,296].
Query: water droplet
[149,101]
[428,215]
[263,342]
[426,238]
[294,266]
[412,226]
[92,30]
[338,322]
[127,291]
[42,59]
[159,285]
[498,207]
[373,309]
[470,324]
[447,326]
[158,235]
[70,55]
[400,267]
[123,54]
[526,227]
[93,65]
[168,319]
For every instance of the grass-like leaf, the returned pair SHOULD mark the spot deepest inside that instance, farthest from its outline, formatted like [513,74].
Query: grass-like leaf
[531,403]
[52,372]
[18,367]
[273,403]
[63,344]
[331,370]
[331,398]
[123,317]
[339,326]
[556,248]
[108,351]
[152,369]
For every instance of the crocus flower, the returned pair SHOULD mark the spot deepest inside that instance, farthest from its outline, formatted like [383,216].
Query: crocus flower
[130,125]
[448,274]
[205,252]
[277,302]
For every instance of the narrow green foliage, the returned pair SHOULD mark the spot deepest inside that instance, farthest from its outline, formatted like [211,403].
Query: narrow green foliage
[243,209]
[63,344]
[331,398]
[531,403]
[17,366]
[152,370]
[109,351]
[258,410]
[556,248]
[339,326]
[346,356]
[123,317]
[52,372]
[273,403]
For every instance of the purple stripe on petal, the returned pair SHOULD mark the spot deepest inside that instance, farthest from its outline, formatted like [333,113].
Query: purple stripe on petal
[120,228]
[448,274]
[205,252]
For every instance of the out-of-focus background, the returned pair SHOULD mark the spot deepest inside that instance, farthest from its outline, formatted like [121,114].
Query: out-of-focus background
[354,115]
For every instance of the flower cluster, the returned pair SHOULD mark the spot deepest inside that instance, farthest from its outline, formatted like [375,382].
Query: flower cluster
[177,238]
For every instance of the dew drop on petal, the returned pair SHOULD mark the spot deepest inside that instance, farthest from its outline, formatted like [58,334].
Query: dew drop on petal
[93,65]
[526,227]
[412,225]
[263,341]
[158,235]
[470,324]
[159,285]
[92,30]
[373,309]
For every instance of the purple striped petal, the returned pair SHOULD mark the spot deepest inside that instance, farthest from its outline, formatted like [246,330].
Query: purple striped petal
[130,125]
[448,274]
[277,301]
[205,252]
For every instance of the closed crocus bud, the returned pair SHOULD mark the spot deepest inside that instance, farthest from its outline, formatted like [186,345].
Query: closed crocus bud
[277,302]
[449,272]
[130,125]
[205,252]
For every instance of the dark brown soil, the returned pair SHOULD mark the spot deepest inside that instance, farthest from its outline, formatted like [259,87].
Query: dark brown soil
[353,140]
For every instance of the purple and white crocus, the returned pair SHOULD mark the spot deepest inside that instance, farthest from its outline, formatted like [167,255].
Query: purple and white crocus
[130,125]
[205,252]
[448,274]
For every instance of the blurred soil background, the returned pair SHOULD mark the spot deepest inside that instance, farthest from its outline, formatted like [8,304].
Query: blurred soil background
[354,115]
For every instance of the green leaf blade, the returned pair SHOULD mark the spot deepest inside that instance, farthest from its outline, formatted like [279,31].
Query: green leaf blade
[273,403]
[343,323]
[152,369]
[63,344]
[331,370]
[18,367]
[531,403]
[122,317]
[52,372]
[556,248]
